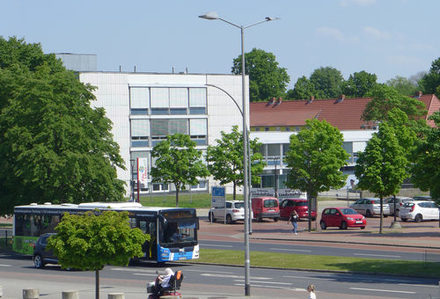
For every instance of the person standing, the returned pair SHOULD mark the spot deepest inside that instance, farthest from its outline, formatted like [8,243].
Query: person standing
[294,218]
[311,290]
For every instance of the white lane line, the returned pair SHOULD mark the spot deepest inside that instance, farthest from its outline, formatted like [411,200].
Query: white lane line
[419,285]
[215,245]
[269,282]
[4,265]
[380,290]
[272,287]
[233,276]
[160,270]
[306,278]
[295,250]
[144,274]
[378,255]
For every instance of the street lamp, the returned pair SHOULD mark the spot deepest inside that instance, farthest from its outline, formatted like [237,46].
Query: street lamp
[214,16]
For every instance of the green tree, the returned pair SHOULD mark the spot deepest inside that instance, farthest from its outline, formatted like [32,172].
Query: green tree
[358,84]
[304,89]
[225,160]
[430,82]
[403,85]
[381,168]
[315,159]
[266,78]
[93,240]
[385,98]
[54,146]
[327,82]
[178,162]
[425,170]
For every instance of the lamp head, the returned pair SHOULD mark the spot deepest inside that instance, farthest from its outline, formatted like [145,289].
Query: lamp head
[212,15]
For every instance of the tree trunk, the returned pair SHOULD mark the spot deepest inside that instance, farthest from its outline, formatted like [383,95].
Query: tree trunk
[234,192]
[96,284]
[177,195]
[381,215]
[309,206]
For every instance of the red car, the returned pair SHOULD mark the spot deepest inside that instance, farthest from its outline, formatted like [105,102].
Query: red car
[342,218]
[299,204]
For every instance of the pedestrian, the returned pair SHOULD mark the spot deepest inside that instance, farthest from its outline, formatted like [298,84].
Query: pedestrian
[311,290]
[294,219]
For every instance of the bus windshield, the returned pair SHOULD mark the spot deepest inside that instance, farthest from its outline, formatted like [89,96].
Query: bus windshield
[179,229]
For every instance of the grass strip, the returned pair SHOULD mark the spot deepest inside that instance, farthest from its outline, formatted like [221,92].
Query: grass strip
[319,262]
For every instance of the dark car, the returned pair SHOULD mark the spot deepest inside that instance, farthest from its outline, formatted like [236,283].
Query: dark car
[41,255]
[342,218]
[298,204]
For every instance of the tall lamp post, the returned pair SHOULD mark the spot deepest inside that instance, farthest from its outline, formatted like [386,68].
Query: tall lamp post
[214,16]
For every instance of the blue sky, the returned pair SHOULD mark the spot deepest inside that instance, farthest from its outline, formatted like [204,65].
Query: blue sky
[385,37]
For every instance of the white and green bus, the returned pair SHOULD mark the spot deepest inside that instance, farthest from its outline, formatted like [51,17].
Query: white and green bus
[173,231]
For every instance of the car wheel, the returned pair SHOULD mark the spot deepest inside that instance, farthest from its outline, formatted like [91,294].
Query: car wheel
[323,225]
[418,218]
[275,219]
[211,217]
[368,213]
[343,225]
[362,227]
[228,219]
[404,219]
[38,261]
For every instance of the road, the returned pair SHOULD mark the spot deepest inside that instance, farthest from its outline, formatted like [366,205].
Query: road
[16,273]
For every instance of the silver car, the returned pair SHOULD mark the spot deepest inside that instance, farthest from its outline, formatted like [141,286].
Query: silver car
[400,200]
[370,207]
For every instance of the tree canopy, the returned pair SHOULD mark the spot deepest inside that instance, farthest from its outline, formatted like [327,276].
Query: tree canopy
[177,161]
[381,168]
[403,85]
[225,159]
[359,84]
[53,146]
[93,240]
[266,78]
[315,159]
[304,89]
[328,82]
[430,82]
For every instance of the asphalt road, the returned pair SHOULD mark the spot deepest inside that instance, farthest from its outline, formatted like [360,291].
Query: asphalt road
[17,273]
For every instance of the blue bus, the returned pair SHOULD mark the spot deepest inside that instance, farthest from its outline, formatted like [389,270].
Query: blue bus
[173,231]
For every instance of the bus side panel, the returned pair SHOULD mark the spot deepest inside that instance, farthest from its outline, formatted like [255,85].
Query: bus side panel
[166,254]
[24,244]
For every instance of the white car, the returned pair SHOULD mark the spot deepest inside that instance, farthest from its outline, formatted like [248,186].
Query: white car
[419,211]
[370,207]
[234,211]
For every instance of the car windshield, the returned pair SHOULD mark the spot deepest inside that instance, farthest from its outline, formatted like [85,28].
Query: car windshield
[239,205]
[348,211]
[301,203]
[270,203]
[408,204]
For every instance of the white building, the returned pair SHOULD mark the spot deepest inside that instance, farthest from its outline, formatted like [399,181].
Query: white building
[146,107]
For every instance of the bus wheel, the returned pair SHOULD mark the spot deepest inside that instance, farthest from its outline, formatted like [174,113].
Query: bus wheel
[38,261]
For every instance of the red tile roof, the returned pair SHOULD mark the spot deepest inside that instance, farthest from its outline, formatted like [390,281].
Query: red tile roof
[345,114]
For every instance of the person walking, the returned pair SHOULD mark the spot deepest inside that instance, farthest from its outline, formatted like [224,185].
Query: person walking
[311,290]
[294,218]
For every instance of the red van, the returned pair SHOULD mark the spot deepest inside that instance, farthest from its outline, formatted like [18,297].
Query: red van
[265,207]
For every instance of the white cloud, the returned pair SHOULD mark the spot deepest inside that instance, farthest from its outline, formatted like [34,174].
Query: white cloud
[376,33]
[331,32]
[357,2]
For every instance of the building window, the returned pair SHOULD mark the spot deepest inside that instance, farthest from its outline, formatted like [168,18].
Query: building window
[266,129]
[202,185]
[139,100]
[197,100]
[178,101]
[198,131]
[159,101]
[160,187]
[161,128]
[140,132]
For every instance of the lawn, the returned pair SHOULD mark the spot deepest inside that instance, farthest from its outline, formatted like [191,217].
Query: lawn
[318,262]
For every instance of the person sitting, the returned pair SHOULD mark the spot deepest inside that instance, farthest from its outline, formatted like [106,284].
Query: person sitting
[163,282]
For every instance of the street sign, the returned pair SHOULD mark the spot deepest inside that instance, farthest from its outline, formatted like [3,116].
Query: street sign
[218,197]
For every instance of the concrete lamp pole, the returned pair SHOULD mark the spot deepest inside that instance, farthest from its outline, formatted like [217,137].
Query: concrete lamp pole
[214,16]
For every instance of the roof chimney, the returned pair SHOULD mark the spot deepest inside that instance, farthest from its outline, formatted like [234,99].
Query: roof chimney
[341,99]
[420,94]
[312,98]
[278,102]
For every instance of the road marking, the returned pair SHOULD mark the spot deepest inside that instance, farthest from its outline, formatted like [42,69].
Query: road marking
[4,265]
[378,255]
[306,278]
[269,282]
[419,285]
[295,250]
[145,274]
[272,287]
[215,245]
[233,276]
[380,290]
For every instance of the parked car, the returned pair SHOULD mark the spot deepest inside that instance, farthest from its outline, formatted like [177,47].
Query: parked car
[370,207]
[299,204]
[342,218]
[234,211]
[400,200]
[41,255]
[419,211]
[266,207]
[422,197]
